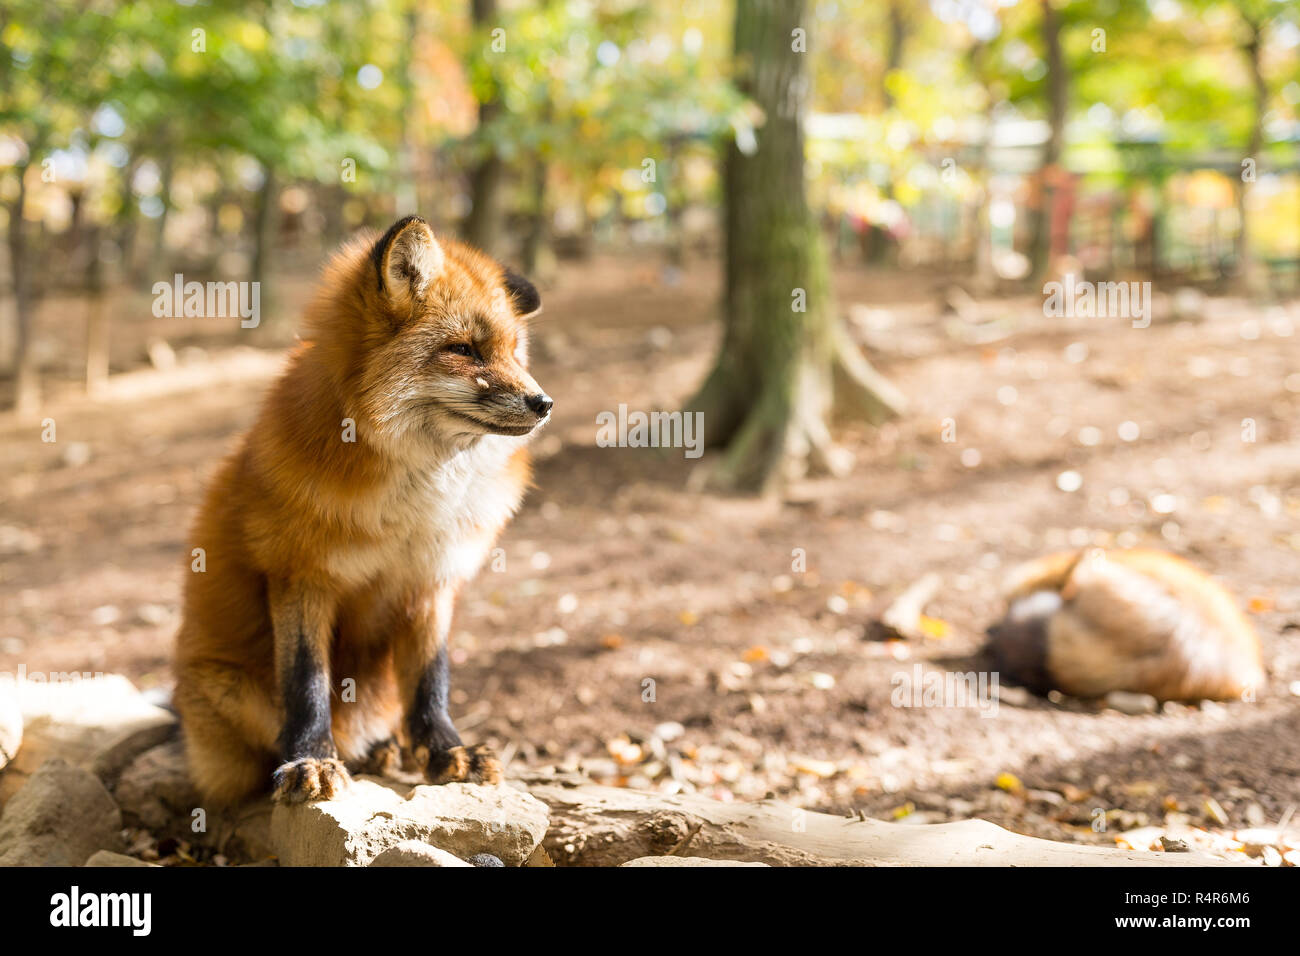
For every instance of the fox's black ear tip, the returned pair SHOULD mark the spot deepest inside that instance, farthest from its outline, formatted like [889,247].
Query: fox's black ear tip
[523,294]
[379,248]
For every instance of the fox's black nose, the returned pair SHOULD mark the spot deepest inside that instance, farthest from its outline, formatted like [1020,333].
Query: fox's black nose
[540,403]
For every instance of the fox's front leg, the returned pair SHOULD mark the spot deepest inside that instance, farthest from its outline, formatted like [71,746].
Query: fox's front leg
[423,670]
[302,616]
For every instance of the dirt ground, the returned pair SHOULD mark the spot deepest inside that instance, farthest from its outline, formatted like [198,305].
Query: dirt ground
[652,635]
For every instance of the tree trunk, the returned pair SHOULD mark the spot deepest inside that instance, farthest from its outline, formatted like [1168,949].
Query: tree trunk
[26,375]
[784,360]
[1041,243]
[485,224]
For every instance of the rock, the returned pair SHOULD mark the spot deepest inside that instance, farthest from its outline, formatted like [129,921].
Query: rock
[60,817]
[246,831]
[1188,305]
[1049,797]
[161,355]
[1127,702]
[594,825]
[154,791]
[464,819]
[109,763]
[97,722]
[109,858]
[685,861]
[1014,696]
[11,724]
[539,858]
[487,859]
[153,615]
[415,853]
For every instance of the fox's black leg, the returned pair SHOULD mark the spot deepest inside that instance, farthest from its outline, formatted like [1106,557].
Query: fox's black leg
[434,740]
[420,656]
[311,769]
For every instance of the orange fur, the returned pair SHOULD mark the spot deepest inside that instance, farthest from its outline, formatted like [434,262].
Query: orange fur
[1136,620]
[355,550]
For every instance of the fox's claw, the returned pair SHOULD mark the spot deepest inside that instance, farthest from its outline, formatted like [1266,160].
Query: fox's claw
[309,778]
[476,764]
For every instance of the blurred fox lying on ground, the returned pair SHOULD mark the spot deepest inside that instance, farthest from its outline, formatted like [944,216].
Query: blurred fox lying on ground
[1091,622]
[382,467]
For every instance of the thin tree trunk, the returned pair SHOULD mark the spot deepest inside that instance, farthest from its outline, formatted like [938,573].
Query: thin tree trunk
[406,197]
[894,58]
[1248,272]
[26,374]
[264,224]
[985,279]
[877,243]
[156,260]
[535,240]
[674,206]
[770,395]
[127,219]
[485,225]
[1041,243]
[97,319]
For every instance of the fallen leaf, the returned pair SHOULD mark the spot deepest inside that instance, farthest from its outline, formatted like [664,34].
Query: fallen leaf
[624,751]
[1215,812]
[906,810]
[809,765]
[1260,605]
[1140,788]
[933,627]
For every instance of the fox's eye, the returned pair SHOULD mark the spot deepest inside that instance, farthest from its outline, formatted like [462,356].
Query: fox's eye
[462,348]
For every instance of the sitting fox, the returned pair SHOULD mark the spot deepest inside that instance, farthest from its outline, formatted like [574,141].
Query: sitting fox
[1091,622]
[383,465]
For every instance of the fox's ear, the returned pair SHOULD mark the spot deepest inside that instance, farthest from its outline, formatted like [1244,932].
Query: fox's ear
[524,300]
[407,259]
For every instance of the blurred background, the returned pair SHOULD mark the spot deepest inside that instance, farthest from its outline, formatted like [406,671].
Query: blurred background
[957,155]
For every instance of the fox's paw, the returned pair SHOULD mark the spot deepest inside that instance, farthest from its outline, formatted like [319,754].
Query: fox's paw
[476,764]
[309,778]
[384,759]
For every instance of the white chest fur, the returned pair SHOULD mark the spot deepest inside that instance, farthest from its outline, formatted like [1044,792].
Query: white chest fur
[435,521]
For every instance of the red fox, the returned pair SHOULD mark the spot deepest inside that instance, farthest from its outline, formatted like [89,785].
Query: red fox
[1091,622]
[331,545]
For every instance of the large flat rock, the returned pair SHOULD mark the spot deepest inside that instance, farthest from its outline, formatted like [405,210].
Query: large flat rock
[373,817]
[594,825]
[60,817]
[99,723]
